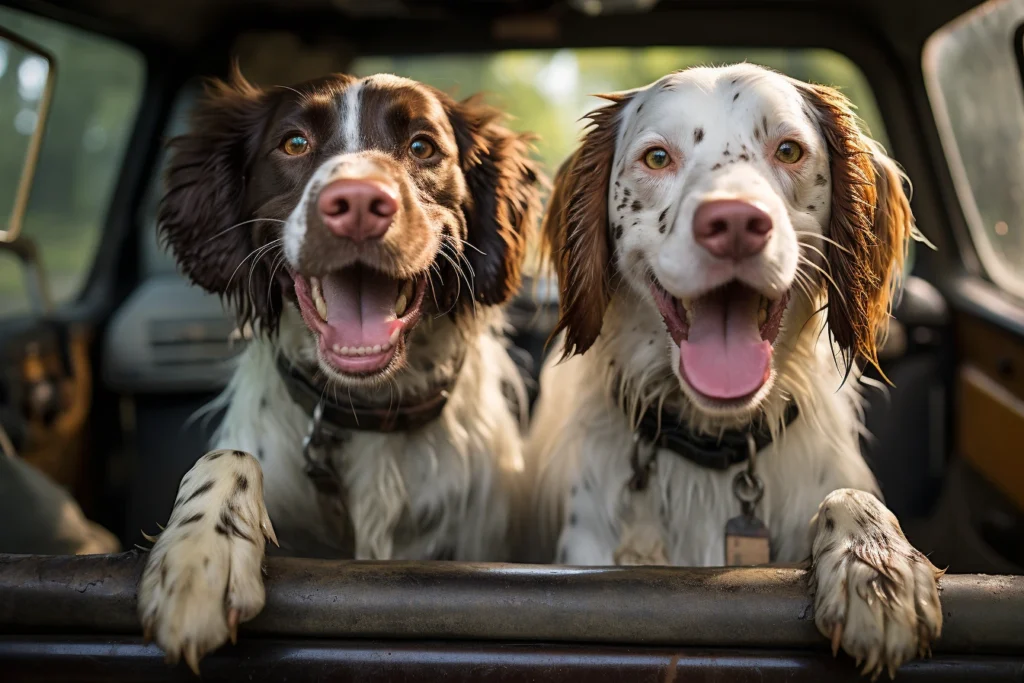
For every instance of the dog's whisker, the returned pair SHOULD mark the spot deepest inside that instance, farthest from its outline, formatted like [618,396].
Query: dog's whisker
[823,238]
[819,252]
[824,274]
[247,257]
[460,275]
[266,250]
[238,225]
[278,263]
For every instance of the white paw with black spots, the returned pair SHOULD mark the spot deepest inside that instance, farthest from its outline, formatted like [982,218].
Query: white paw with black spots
[203,576]
[875,595]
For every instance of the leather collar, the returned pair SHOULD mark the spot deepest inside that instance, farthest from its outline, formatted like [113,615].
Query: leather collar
[345,414]
[664,430]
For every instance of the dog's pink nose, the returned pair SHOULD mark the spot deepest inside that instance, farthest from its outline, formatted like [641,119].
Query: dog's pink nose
[731,229]
[357,209]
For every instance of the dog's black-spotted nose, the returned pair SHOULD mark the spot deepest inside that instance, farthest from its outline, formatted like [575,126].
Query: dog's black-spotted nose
[358,209]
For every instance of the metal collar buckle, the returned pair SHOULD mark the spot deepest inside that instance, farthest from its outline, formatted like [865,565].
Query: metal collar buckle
[747,486]
[324,478]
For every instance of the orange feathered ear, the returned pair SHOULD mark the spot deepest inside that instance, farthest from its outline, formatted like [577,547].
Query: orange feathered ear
[871,226]
[576,230]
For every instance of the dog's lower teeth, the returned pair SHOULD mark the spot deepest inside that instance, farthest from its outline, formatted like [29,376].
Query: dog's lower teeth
[318,298]
[401,304]
[762,316]
[407,290]
[394,337]
[365,350]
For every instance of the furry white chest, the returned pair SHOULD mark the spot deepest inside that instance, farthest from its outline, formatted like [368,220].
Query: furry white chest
[443,491]
[584,461]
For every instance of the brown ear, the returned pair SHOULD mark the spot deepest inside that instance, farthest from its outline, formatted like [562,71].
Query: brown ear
[871,225]
[503,184]
[203,202]
[576,230]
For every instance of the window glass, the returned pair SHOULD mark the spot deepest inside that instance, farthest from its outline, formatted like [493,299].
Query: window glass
[974,83]
[99,84]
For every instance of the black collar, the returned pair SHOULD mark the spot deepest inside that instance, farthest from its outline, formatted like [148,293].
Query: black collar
[345,414]
[664,430]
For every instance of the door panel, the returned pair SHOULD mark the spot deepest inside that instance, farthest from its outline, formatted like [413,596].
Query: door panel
[62,191]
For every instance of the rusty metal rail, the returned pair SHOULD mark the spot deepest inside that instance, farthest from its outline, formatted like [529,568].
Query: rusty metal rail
[656,606]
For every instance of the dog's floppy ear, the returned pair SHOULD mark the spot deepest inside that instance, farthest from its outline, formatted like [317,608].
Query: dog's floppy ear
[202,206]
[575,229]
[871,227]
[503,186]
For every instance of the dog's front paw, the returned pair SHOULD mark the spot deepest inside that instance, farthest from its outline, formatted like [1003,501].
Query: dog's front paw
[874,593]
[204,574]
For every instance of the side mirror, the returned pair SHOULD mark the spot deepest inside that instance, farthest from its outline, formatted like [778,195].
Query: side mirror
[27,77]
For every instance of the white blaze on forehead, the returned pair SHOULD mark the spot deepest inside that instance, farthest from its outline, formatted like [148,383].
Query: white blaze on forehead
[351,105]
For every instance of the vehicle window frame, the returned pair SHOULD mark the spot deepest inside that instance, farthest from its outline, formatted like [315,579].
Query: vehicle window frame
[81,304]
[976,249]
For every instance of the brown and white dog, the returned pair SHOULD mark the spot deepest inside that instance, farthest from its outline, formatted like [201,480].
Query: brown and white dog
[367,230]
[721,237]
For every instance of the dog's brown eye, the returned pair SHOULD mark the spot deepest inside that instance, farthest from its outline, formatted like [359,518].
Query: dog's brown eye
[789,152]
[421,148]
[657,158]
[295,145]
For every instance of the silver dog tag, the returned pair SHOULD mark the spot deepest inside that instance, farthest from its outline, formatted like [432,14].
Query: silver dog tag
[746,542]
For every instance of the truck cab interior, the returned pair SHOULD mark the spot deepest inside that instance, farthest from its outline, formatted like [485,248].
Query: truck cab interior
[108,355]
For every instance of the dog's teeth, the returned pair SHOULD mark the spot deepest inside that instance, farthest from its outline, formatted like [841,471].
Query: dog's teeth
[394,336]
[400,305]
[687,303]
[762,316]
[318,297]
[407,290]
[352,351]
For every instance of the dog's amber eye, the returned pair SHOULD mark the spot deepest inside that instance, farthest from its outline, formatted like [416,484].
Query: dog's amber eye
[789,152]
[421,148]
[295,145]
[657,158]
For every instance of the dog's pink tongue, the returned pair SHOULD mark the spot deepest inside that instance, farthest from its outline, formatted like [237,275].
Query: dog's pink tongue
[360,307]
[724,356]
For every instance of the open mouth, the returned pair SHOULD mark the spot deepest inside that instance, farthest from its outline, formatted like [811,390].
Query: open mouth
[361,316]
[725,338]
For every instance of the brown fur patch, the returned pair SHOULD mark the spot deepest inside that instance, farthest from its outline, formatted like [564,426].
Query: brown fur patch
[871,222]
[205,184]
[503,181]
[576,230]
